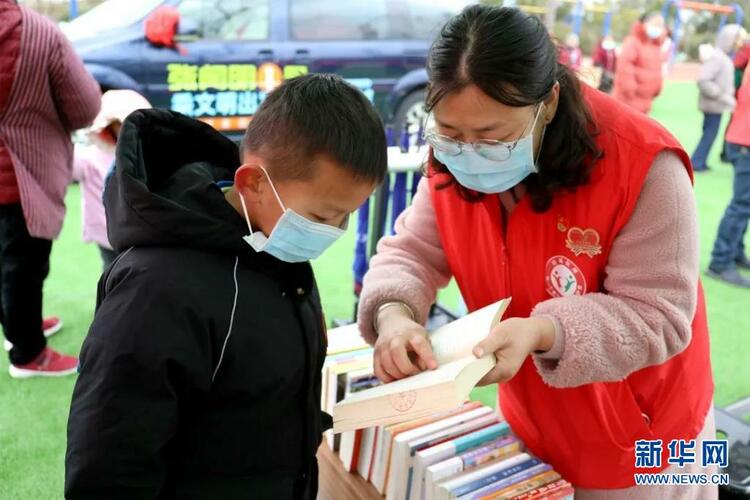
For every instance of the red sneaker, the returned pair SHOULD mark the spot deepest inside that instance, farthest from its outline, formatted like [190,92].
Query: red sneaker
[49,363]
[50,325]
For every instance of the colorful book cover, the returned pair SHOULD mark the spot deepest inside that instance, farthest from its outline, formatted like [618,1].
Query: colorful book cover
[498,476]
[522,487]
[538,493]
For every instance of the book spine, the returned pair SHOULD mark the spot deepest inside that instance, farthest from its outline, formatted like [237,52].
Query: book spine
[567,493]
[547,489]
[543,490]
[481,436]
[381,463]
[498,476]
[388,453]
[498,487]
[355,452]
[562,491]
[438,472]
[524,486]
[374,453]
[486,455]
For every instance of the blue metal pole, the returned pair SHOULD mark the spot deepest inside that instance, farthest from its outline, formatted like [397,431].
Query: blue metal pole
[73,9]
[398,198]
[739,14]
[360,246]
[398,195]
[578,11]
[607,23]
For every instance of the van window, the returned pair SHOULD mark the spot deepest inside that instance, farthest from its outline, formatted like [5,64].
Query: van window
[339,20]
[427,17]
[228,19]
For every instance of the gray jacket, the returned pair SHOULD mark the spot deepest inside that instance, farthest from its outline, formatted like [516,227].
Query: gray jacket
[716,79]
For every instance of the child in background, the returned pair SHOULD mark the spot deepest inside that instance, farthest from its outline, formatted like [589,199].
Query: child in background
[93,162]
[570,52]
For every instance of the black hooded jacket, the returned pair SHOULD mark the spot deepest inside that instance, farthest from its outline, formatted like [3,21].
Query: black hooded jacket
[200,374]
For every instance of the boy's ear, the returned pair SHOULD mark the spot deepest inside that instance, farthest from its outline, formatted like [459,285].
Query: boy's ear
[248,179]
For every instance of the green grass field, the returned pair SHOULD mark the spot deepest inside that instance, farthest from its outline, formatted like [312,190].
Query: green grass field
[33,413]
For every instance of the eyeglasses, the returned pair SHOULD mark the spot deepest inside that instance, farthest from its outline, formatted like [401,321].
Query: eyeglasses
[488,148]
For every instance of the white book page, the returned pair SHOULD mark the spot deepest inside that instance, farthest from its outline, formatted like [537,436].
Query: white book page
[456,339]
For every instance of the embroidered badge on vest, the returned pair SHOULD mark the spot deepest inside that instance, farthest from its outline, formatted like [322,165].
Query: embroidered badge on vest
[583,241]
[563,278]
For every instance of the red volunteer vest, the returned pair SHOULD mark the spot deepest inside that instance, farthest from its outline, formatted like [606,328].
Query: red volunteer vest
[587,433]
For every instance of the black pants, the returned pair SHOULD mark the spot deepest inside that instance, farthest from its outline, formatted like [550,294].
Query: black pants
[24,265]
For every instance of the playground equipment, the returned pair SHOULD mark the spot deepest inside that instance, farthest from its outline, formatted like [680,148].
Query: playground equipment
[580,7]
[680,5]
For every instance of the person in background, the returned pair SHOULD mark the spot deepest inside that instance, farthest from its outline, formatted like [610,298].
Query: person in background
[729,253]
[605,57]
[92,163]
[741,58]
[638,76]
[45,94]
[570,52]
[716,90]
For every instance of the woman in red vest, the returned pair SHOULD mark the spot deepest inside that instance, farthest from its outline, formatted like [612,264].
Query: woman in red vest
[582,210]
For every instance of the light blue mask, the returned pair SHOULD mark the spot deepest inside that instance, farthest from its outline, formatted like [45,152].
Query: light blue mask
[294,238]
[480,173]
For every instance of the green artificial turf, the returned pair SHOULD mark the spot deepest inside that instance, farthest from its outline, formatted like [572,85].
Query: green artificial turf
[33,413]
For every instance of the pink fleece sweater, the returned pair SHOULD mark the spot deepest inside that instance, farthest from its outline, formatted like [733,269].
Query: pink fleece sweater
[643,319]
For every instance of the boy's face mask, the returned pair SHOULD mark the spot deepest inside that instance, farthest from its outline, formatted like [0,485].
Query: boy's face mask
[294,238]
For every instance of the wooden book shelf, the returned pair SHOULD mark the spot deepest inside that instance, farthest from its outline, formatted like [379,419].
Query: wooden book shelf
[337,484]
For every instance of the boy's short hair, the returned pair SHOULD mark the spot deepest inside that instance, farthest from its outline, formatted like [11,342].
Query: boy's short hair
[318,114]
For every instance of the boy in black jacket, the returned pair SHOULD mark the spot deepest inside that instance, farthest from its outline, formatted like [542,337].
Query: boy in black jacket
[200,375]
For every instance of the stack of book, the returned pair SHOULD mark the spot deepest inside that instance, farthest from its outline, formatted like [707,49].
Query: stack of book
[423,440]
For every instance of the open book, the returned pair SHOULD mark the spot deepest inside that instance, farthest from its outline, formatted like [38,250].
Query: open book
[430,391]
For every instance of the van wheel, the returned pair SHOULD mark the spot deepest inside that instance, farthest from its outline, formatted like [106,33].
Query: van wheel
[410,114]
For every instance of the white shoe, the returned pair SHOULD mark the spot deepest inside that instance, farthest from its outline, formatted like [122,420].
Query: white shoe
[51,326]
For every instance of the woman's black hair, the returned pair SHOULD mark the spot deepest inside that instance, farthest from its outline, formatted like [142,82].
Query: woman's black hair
[511,57]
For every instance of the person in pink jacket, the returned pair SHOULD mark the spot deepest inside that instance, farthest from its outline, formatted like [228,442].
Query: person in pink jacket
[92,163]
[46,93]
[639,76]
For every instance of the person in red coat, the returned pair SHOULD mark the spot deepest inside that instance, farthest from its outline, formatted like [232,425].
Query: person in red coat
[639,77]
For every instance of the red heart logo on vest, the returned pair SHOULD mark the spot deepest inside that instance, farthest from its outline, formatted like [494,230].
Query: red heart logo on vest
[583,241]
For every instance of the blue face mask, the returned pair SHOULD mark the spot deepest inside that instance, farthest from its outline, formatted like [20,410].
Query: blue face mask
[294,238]
[491,168]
